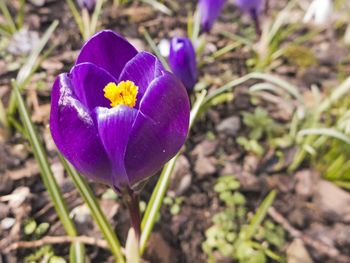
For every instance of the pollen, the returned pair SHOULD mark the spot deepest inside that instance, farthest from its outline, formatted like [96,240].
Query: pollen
[122,94]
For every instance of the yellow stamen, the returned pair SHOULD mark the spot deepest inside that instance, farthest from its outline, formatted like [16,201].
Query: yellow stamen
[123,94]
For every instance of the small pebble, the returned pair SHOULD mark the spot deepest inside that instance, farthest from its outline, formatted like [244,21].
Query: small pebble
[7,223]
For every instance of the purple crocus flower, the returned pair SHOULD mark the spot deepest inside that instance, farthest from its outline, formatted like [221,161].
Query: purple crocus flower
[118,116]
[252,8]
[209,11]
[182,60]
[88,4]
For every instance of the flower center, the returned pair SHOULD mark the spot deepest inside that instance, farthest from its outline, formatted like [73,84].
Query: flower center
[122,94]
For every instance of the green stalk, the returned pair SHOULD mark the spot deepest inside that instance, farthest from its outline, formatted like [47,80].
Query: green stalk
[156,200]
[96,212]
[156,50]
[19,16]
[260,215]
[77,17]
[46,172]
[95,16]
[255,75]
[8,16]
[159,6]
[5,31]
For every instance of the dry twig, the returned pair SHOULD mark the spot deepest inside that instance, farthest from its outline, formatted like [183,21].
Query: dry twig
[318,245]
[58,240]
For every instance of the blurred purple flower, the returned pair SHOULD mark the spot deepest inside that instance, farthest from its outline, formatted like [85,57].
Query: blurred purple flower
[88,4]
[252,8]
[128,137]
[182,60]
[209,11]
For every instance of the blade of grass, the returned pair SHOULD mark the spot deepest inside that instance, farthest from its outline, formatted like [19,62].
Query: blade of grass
[77,253]
[156,50]
[255,75]
[158,193]
[27,69]
[224,50]
[226,87]
[94,19]
[326,132]
[89,198]
[37,65]
[260,215]
[77,17]
[19,17]
[281,83]
[336,95]
[280,20]
[159,6]
[5,31]
[8,16]
[189,25]
[196,28]
[46,172]
[12,121]
[3,116]
[240,39]
[265,87]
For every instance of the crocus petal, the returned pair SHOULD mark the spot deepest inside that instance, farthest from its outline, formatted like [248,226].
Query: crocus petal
[107,50]
[250,7]
[182,60]
[88,82]
[114,127]
[142,69]
[209,11]
[88,4]
[157,134]
[319,11]
[75,134]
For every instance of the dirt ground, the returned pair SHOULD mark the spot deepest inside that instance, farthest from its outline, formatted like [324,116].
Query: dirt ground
[308,207]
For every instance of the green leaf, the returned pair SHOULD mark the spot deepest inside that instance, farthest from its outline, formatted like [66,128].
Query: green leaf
[97,12]
[175,209]
[8,16]
[220,187]
[159,6]
[326,132]
[56,259]
[238,198]
[42,228]
[260,215]
[96,212]
[29,227]
[77,18]
[156,50]
[46,172]
[110,194]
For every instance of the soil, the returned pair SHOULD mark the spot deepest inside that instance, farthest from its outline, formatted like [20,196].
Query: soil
[308,207]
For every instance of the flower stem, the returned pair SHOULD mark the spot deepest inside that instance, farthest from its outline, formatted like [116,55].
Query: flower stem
[255,16]
[131,200]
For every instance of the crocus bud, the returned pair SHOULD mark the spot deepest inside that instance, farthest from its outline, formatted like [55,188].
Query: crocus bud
[252,8]
[182,60]
[209,11]
[319,11]
[118,116]
[88,4]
